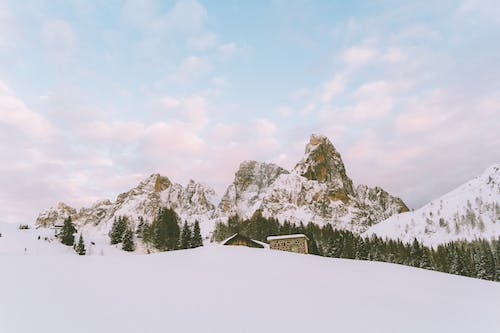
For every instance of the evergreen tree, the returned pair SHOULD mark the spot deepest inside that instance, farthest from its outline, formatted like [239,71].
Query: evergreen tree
[128,241]
[140,227]
[118,228]
[165,230]
[185,236]
[196,240]
[80,247]
[497,259]
[67,232]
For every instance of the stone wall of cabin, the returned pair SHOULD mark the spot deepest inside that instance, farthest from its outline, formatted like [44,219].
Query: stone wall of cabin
[298,245]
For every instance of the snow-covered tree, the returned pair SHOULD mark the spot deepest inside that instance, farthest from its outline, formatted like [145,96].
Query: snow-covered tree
[80,247]
[196,240]
[128,240]
[67,234]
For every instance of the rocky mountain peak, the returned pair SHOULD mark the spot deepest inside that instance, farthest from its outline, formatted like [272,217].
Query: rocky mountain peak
[251,180]
[257,173]
[323,163]
[155,183]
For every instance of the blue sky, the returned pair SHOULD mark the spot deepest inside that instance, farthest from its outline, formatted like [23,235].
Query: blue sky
[94,95]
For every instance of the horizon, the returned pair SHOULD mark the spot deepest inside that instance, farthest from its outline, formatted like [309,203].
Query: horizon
[94,97]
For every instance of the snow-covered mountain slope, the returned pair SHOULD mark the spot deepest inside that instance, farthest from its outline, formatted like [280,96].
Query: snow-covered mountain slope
[193,202]
[468,212]
[317,190]
[228,289]
[251,183]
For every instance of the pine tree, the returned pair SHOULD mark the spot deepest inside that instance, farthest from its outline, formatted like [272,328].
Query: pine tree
[80,247]
[67,232]
[140,227]
[128,240]
[497,259]
[185,236]
[196,240]
[117,229]
[165,230]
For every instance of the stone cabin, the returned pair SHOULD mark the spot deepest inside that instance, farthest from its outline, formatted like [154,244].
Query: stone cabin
[292,243]
[240,240]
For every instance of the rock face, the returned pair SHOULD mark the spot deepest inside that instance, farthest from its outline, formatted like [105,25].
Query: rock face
[323,163]
[317,190]
[193,202]
[468,212]
[55,216]
[251,183]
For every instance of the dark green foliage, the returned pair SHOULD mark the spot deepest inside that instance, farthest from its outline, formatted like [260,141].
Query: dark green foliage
[196,240]
[185,236]
[67,234]
[80,247]
[478,258]
[118,228]
[140,227]
[164,232]
[128,240]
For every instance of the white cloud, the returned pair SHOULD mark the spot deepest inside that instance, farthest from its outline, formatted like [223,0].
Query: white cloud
[394,55]
[115,132]
[191,68]
[375,99]
[186,16]
[333,87]
[203,41]
[13,112]
[359,55]
[266,135]
[228,49]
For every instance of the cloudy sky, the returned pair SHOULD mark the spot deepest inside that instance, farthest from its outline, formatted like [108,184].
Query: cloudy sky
[96,95]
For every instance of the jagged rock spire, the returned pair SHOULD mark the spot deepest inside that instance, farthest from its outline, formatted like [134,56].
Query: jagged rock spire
[322,162]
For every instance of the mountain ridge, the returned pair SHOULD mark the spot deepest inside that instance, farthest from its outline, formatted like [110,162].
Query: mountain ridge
[470,211]
[316,190]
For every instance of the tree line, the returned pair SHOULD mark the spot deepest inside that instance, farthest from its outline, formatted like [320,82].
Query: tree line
[164,233]
[479,258]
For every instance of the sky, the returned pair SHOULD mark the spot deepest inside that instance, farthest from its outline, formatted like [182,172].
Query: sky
[97,95]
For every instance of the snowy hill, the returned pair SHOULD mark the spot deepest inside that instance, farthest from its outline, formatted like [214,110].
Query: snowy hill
[316,190]
[468,212]
[228,289]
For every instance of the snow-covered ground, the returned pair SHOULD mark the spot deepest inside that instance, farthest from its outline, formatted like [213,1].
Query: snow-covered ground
[229,289]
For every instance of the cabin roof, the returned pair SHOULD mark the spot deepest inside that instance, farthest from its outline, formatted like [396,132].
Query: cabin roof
[271,238]
[238,235]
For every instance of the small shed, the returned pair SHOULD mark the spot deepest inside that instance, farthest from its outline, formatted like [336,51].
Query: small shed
[240,240]
[291,243]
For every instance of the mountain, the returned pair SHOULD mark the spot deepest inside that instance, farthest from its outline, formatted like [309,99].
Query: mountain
[215,288]
[194,201]
[468,212]
[316,190]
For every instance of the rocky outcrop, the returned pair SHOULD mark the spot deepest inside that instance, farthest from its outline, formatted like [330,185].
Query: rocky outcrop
[316,190]
[250,185]
[323,163]
[194,201]
[55,215]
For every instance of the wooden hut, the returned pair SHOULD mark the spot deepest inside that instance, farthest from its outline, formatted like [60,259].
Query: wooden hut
[240,240]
